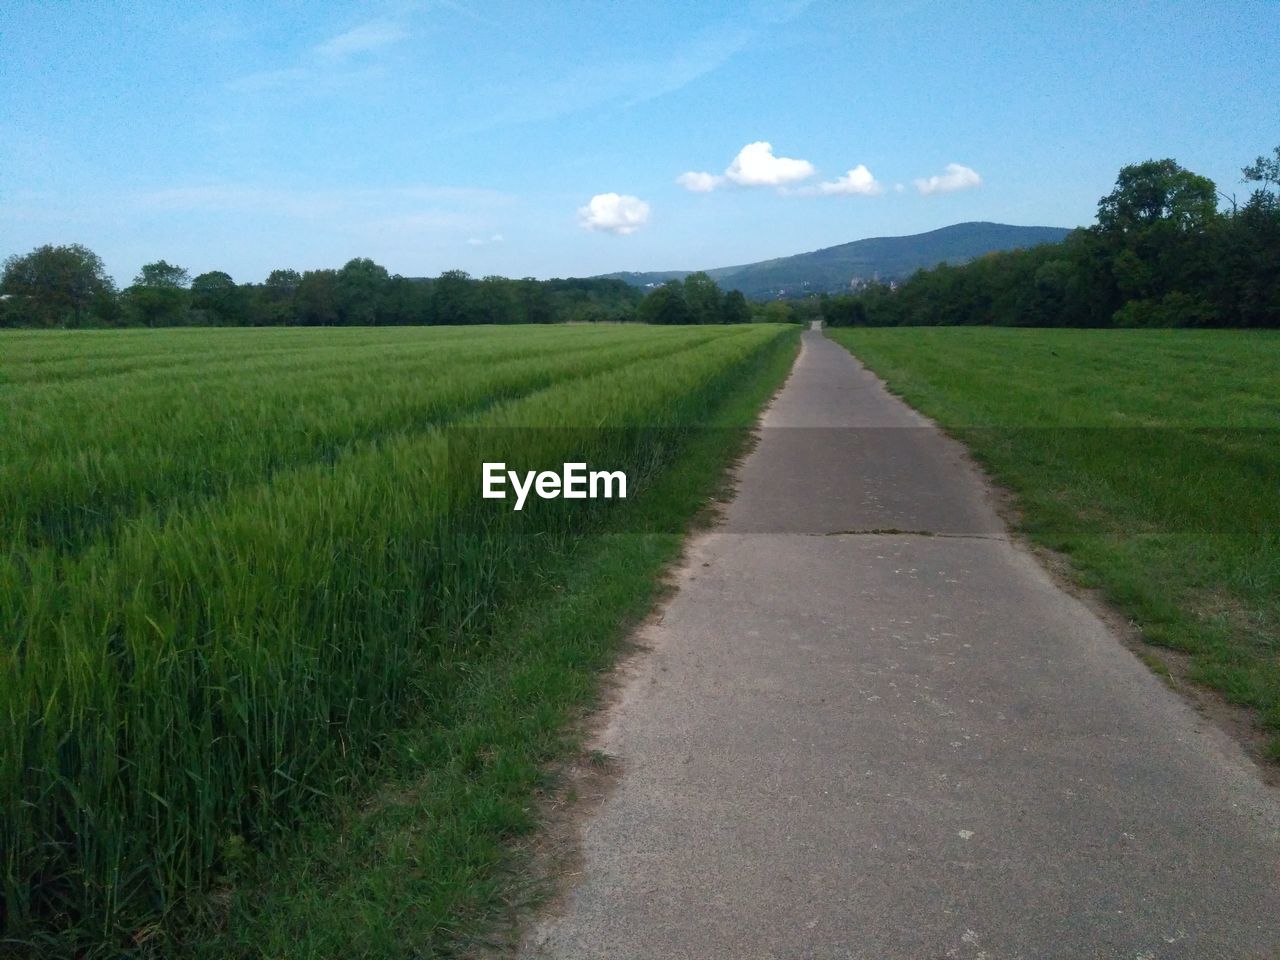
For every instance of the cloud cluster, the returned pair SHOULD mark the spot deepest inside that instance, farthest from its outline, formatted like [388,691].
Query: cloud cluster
[619,214]
[754,166]
[757,166]
[955,177]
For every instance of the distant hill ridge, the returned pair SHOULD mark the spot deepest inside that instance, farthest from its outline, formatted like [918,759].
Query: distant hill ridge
[835,269]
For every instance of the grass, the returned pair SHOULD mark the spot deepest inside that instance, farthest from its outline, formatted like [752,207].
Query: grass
[1148,457]
[275,668]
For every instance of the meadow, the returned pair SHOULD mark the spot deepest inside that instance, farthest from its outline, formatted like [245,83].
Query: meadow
[1150,458]
[247,581]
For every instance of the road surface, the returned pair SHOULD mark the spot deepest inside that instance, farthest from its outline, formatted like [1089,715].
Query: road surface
[851,743]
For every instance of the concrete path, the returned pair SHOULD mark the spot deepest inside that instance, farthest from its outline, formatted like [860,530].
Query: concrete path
[857,744]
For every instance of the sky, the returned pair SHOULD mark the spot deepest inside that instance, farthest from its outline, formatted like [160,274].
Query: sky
[571,139]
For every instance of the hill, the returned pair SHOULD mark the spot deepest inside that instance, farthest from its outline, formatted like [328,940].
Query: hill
[835,269]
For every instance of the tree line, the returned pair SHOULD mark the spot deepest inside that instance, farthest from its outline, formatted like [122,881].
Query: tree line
[698,299]
[67,286]
[1161,254]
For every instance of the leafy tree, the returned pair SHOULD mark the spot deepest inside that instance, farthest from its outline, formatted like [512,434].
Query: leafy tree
[777,311]
[272,302]
[665,305]
[316,302]
[218,299]
[1158,191]
[451,298]
[703,298]
[54,285]
[1266,198]
[537,301]
[844,312]
[162,275]
[735,308]
[1265,170]
[405,301]
[360,285]
[158,297]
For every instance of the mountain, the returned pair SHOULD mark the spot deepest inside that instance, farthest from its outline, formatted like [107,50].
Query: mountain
[835,269]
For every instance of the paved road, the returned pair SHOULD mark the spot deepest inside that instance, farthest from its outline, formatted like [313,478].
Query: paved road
[855,744]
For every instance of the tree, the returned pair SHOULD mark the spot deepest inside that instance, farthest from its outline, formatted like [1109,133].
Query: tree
[316,302]
[1265,170]
[218,298]
[57,285]
[452,298]
[776,311]
[158,297]
[735,308]
[1156,227]
[665,305]
[702,296]
[404,301]
[1158,191]
[360,285]
[536,298]
[273,301]
[162,275]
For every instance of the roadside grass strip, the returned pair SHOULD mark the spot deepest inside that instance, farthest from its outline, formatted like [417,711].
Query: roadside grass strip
[1150,458]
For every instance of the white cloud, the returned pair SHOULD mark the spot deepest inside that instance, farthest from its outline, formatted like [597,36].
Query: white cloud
[699,182]
[756,166]
[857,181]
[362,39]
[484,242]
[614,213]
[955,177]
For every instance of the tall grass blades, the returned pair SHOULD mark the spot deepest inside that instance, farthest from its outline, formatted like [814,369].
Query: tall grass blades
[229,564]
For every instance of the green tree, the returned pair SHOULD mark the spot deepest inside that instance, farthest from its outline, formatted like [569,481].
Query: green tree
[273,300]
[452,298]
[1158,192]
[162,275]
[316,302]
[536,299]
[665,305]
[777,311]
[702,296]
[405,301]
[735,308]
[1264,171]
[360,286]
[56,285]
[159,295]
[218,299]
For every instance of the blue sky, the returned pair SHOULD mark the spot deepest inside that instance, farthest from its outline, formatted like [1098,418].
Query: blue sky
[475,135]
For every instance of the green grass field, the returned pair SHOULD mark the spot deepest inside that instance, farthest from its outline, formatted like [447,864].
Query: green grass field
[1149,457]
[275,679]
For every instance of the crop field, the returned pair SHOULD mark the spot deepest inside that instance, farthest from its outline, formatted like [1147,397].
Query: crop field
[1149,457]
[235,565]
